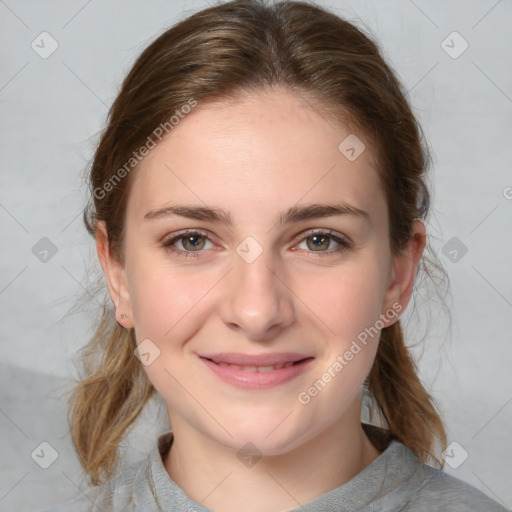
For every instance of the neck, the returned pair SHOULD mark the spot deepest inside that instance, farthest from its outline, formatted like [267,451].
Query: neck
[212,476]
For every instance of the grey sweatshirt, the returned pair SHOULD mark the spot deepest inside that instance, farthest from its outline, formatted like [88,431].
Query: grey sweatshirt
[395,481]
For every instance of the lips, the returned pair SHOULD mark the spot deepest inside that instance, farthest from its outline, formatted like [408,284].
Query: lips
[275,359]
[260,371]
[249,368]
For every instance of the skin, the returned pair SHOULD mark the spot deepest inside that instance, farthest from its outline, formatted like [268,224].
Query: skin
[255,158]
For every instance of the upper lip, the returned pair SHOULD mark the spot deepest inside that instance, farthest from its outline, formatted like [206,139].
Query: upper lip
[255,359]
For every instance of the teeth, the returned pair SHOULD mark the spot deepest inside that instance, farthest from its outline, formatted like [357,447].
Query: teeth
[262,369]
[267,368]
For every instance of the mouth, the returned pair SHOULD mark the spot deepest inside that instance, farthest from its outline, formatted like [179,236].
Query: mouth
[256,372]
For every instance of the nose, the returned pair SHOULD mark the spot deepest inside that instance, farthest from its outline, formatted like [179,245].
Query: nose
[258,301]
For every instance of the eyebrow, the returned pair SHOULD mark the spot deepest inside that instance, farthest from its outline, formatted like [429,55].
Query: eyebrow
[292,215]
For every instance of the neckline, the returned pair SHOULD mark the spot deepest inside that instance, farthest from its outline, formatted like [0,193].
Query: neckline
[381,439]
[395,464]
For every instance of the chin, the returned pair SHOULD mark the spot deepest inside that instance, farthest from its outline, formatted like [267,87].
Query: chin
[267,438]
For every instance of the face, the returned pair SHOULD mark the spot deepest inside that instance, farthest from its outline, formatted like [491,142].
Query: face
[260,312]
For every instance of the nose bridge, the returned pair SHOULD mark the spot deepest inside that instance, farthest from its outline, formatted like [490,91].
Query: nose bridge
[257,299]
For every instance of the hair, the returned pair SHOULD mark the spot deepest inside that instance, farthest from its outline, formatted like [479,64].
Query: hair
[221,53]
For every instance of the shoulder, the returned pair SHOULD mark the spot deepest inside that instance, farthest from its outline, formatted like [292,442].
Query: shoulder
[115,495]
[406,484]
[437,490]
[143,485]
[84,502]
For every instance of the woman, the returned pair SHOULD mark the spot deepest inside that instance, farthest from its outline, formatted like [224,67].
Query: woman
[258,199]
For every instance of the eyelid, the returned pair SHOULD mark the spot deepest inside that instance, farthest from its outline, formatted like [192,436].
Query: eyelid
[343,243]
[168,241]
[342,240]
[183,232]
[325,232]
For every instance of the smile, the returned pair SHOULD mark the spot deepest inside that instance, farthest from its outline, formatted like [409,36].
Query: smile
[257,372]
[258,368]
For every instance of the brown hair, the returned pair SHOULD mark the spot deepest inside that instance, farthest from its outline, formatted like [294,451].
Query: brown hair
[219,53]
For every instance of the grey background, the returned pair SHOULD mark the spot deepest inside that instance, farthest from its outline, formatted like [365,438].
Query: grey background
[51,112]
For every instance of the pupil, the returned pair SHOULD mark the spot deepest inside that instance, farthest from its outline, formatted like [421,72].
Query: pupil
[321,241]
[193,242]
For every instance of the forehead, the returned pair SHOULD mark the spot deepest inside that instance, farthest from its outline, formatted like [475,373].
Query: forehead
[271,148]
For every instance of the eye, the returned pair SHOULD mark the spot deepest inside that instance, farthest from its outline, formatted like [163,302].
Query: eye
[191,242]
[320,241]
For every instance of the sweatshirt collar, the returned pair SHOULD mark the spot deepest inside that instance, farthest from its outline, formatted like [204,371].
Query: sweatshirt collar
[383,481]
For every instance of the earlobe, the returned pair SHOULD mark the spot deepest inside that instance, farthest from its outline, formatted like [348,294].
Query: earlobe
[404,269]
[115,277]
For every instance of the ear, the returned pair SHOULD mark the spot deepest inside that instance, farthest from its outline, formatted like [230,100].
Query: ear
[115,276]
[403,273]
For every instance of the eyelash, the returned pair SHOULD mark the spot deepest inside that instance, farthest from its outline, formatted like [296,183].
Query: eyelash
[344,244]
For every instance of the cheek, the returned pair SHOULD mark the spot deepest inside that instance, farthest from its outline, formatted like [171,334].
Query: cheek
[348,304]
[160,293]
[169,307]
[346,300]
[165,301]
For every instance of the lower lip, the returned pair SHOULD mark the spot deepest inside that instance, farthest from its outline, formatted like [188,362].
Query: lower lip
[257,380]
